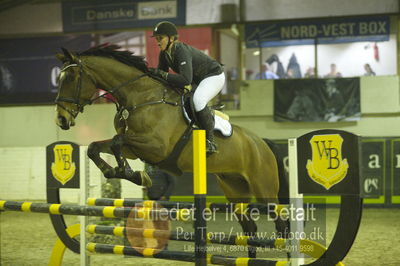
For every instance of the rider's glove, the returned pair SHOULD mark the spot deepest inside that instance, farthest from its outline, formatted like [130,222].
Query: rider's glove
[159,73]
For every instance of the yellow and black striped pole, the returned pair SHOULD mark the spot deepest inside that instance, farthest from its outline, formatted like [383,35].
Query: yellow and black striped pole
[65,209]
[177,255]
[200,192]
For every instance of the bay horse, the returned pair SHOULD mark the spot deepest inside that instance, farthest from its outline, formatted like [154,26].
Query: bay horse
[149,123]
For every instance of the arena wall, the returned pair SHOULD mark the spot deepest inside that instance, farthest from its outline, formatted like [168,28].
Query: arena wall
[27,130]
[34,126]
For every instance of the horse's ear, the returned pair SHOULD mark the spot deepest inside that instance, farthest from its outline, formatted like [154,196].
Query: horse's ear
[68,56]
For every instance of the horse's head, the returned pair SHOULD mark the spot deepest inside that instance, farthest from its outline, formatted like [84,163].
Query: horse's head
[76,88]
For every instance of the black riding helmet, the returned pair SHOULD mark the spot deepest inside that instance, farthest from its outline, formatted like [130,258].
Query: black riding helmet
[165,28]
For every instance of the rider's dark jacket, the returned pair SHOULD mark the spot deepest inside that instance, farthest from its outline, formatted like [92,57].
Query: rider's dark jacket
[190,64]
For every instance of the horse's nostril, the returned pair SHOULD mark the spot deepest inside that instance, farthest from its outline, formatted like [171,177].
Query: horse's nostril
[63,123]
[62,120]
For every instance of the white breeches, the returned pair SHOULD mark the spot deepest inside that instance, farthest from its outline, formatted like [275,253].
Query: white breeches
[207,89]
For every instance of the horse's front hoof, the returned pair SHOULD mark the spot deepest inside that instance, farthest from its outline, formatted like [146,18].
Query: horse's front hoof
[109,173]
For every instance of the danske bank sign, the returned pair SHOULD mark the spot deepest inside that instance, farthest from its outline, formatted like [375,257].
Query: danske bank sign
[119,14]
[143,10]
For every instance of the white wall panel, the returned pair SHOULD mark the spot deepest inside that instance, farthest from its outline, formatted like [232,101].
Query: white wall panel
[205,11]
[23,173]
[23,176]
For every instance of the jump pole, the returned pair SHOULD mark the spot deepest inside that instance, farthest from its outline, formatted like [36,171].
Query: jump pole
[200,192]
[296,201]
[83,195]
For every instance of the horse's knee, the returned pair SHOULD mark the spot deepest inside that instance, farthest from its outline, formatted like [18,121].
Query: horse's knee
[117,140]
[93,150]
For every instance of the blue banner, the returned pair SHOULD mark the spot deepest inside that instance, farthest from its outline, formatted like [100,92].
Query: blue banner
[338,30]
[29,68]
[89,16]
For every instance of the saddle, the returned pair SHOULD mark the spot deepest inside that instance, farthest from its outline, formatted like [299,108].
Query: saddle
[169,164]
[222,123]
[221,119]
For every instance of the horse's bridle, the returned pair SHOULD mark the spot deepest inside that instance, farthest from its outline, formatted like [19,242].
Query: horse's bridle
[75,100]
[120,108]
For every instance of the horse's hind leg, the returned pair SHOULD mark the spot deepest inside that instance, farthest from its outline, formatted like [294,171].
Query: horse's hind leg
[265,186]
[281,226]
[236,190]
[249,228]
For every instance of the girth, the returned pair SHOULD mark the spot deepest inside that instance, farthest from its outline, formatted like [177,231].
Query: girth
[170,163]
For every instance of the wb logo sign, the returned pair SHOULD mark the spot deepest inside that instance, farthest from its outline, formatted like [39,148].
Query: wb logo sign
[63,168]
[327,167]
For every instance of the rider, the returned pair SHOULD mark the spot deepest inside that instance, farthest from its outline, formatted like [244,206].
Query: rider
[191,66]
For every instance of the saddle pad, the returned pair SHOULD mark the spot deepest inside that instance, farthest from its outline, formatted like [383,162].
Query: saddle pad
[221,122]
[223,126]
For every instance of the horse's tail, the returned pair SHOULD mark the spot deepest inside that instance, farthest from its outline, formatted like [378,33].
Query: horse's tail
[283,193]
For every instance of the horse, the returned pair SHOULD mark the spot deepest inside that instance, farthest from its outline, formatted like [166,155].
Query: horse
[149,123]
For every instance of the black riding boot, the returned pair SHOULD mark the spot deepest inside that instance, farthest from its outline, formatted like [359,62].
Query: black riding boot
[206,121]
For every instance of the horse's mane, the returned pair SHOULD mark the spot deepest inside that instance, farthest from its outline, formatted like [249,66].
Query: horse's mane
[111,51]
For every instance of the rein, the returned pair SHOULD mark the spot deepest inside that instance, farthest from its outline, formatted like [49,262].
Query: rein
[120,108]
[163,100]
[116,88]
